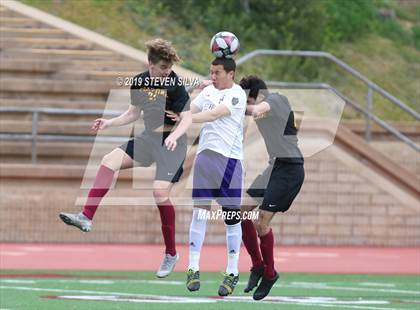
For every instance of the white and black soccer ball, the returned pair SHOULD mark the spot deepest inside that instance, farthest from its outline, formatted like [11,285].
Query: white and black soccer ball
[224,44]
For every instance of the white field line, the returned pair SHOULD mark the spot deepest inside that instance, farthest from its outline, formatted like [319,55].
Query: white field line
[17,281]
[377,284]
[308,285]
[189,300]
[347,288]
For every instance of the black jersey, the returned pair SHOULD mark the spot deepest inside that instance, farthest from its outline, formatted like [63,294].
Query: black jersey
[155,95]
[279,131]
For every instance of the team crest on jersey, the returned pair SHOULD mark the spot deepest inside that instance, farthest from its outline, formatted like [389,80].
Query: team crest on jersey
[153,93]
[235,101]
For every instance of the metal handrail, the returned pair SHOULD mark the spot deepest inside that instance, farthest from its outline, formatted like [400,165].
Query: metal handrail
[352,103]
[342,64]
[371,86]
[34,136]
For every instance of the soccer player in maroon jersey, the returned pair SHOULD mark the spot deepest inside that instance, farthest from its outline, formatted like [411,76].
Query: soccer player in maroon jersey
[163,141]
[278,185]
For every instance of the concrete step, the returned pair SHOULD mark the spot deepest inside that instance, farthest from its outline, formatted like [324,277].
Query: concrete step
[411,129]
[11,32]
[49,103]
[62,54]
[26,159]
[46,43]
[52,86]
[85,64]
[5,12]
[50,149]
[21,22]
[96,75]
[73,127]
[27,116]
[106,65]
[27,65]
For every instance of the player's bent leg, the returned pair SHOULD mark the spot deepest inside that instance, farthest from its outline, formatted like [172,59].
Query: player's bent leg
[250,240]
[267,250]
[117,159]
[161,192]
[262,225]
[112,162]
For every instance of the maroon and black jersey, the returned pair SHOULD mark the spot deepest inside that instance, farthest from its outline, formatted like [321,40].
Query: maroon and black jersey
[155,95]
[279,131]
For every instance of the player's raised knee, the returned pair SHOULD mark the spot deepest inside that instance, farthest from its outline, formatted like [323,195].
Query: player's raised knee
[160,195]
[109,162]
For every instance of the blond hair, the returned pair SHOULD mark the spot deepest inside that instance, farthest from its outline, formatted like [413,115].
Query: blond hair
[159,49]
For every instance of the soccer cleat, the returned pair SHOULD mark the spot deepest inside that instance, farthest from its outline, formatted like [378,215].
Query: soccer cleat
[193,280]
[167,265]
[77,219]
[264,288]
[254,278]
[228,284]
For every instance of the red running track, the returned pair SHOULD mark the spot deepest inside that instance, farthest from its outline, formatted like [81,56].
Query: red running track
[213,258]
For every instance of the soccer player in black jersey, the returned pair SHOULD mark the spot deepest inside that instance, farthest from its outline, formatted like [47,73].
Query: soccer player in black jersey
[163,141]
[274,189]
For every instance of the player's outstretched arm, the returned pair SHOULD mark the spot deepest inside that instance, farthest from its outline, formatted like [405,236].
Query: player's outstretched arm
[257,109]
[129,116]
[211,115]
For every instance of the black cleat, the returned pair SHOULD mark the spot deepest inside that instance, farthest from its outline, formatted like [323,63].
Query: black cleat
[254,278]
[193,280]
[228,284]
[264,288]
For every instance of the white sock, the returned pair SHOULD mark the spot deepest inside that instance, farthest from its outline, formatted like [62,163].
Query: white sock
[233,242]
[197,234]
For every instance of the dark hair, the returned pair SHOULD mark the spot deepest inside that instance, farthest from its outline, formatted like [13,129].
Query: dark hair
[254,85]
[228,63]
[159,49]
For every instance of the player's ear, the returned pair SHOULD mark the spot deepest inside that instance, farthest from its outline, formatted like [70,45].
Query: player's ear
[232,74]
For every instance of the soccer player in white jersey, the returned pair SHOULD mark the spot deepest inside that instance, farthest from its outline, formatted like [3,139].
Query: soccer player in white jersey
[218,168]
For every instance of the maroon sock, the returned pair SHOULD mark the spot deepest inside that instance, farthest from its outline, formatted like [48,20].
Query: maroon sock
[250,240]
[103,182]
[267,251]
[167,218]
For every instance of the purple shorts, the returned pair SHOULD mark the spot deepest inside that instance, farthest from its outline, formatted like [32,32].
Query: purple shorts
[217,177]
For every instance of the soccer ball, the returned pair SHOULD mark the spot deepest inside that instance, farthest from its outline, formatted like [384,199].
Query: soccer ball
[224,44]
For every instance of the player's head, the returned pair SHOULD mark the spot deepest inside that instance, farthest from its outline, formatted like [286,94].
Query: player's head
[161,56]
[222,72]
[255,88]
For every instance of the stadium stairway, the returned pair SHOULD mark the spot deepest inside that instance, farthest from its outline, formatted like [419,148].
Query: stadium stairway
[353,194]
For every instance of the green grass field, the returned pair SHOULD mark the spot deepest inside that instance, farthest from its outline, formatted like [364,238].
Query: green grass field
[141,290]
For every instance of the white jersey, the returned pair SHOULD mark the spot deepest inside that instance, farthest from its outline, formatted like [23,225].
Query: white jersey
[224,135]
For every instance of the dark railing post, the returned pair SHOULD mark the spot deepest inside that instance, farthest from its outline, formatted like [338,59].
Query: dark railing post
[368,132]
[34,136]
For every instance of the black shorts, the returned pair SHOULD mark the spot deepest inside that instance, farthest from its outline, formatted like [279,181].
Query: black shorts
[149,147]
[277,187]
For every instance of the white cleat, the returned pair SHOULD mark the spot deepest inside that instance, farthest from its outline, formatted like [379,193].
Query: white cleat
[167,265]
[77,219]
